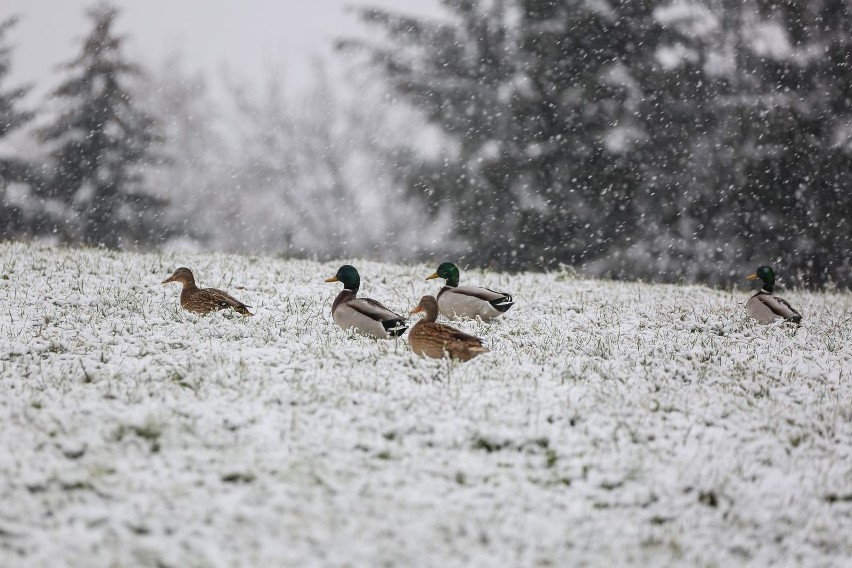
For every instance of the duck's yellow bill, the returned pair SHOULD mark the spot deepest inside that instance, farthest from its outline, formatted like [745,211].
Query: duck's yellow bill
[752,276]
[332,279]
[434,275]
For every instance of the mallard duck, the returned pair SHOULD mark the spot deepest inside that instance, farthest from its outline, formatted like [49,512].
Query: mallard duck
[766,307]
[437,340]
[365,315]
[203,300]
[468,301]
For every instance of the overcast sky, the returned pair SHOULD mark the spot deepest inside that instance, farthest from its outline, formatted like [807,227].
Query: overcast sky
[247,36]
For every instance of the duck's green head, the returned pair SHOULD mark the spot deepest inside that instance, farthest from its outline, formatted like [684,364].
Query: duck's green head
[766,274]
[348,275]
[449,272]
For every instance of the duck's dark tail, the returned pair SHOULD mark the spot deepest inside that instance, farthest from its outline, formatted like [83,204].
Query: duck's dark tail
[503,304]
[395,327]
[243,309]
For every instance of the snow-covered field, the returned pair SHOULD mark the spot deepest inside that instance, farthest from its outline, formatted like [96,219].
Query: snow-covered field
[613,424]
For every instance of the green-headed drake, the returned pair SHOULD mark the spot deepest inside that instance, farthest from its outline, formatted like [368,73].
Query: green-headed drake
[365,315]
[766,307]
[456,301]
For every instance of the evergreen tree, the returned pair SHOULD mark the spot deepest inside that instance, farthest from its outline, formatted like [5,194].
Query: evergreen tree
[100,140]
[576,128]
[795,200]
[662,140]
[456,73]
[12,169]
[689,111]
[531,93]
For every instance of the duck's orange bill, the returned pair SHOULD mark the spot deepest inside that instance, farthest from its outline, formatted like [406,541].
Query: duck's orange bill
[752,276]
[416,310]
[434,275]
[332,279]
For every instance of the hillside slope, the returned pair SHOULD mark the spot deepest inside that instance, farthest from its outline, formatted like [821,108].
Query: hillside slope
[613,423]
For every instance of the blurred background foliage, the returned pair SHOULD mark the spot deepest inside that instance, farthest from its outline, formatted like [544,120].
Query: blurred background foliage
[683,141]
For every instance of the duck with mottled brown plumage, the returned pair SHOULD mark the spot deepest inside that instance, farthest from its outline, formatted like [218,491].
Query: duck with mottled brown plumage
[204,300]
[437,340]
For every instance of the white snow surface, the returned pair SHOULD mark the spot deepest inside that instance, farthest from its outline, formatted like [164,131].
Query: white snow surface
[613,424]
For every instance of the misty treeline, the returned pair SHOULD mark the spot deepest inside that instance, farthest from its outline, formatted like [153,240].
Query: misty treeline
[122,157]
[677,140]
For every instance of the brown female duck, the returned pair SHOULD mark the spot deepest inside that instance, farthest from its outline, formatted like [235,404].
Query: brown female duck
[437,340]
[204,300]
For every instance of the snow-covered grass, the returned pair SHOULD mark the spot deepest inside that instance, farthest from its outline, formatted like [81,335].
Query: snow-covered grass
[613,423]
